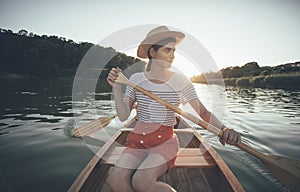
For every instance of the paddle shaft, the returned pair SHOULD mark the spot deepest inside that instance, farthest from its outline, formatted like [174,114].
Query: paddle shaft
[285,169]
[198,121]
[209,127]
[176,109]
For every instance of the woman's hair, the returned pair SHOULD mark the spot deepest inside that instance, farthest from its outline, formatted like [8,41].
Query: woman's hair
[156,46]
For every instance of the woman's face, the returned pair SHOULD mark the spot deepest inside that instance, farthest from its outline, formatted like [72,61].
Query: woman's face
[164,55]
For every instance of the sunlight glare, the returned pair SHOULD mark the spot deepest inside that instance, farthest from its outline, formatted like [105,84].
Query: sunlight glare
[181,63]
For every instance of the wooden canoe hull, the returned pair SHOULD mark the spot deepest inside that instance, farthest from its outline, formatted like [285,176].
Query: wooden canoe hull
[198,167]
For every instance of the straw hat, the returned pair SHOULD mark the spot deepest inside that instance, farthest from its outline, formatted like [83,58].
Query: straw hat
[155,35]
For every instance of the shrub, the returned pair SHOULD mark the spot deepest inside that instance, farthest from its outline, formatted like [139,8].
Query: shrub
[230,81]
[243,82]
[257,81]
[283,81]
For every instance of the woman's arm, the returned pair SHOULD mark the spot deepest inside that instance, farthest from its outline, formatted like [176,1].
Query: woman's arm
[230,136]
[125,105]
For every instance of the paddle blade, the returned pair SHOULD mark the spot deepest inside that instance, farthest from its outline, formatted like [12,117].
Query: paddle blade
[287,170]
[123,79]
[93,126]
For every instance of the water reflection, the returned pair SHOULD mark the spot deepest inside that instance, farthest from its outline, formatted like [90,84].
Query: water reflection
[265,100]
[269,122]
[34,114]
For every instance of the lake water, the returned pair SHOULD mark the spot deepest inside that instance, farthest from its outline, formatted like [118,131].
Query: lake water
[36,155]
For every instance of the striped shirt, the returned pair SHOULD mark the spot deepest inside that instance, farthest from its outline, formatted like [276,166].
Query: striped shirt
[177,90]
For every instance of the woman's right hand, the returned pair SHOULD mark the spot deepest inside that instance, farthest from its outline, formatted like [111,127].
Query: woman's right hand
[113,75]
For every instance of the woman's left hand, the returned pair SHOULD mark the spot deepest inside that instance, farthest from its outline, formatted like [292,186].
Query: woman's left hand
[230,136]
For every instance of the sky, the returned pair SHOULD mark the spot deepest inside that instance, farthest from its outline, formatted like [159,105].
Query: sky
[234,32]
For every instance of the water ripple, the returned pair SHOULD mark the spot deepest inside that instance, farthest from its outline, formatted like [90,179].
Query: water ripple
[33,122]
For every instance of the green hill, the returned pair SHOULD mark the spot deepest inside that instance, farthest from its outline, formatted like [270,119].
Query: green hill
[25,53]
[285,76]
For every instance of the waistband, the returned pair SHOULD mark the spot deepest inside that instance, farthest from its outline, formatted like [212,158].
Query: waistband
[146,128]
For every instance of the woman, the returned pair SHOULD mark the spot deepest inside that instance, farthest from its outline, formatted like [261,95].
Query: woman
[152,146]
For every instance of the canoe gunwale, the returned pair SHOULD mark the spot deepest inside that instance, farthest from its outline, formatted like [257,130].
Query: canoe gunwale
[84,174]
[233,181]
[99,156]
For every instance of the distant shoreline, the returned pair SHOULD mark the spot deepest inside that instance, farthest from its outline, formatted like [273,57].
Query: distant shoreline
[25,54]
[291,82]
[286,76]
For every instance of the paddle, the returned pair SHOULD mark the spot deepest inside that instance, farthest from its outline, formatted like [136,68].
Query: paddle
[287,170]
[92,126]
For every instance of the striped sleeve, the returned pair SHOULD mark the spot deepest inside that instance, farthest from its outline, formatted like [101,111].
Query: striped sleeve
[130,92]
[189,92]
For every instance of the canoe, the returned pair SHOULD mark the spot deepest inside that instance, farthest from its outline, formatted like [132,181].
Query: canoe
[198,166]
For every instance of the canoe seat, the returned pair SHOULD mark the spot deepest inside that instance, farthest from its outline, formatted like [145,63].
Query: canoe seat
[186,157]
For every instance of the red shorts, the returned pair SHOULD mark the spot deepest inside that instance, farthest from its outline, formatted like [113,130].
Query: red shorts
[153,138]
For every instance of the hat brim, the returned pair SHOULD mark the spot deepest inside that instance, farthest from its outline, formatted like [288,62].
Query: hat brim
[142,51]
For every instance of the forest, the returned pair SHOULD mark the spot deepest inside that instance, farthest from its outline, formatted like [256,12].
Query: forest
[27,54]
[250,75]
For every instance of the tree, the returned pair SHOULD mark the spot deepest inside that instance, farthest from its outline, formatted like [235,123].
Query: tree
[251,69]
[23,32]
[29,54]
